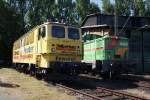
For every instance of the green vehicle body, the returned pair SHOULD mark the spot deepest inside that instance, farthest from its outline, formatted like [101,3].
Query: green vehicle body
[106,53]
[106,48]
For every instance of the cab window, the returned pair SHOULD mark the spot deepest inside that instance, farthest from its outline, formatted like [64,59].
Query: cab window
[58,32]
[41,32]
[73,33]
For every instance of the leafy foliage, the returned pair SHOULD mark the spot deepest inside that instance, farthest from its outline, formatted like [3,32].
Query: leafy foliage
[138,7]
[108,8]
[10,29]
[84,7]
[19,16]
[123,7]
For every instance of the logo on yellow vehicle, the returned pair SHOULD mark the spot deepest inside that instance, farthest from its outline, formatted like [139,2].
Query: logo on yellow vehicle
[65,48]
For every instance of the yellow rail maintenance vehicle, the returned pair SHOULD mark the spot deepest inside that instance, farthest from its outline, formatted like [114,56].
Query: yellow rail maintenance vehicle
[47,48]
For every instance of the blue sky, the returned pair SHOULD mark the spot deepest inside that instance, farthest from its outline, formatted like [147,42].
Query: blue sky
[99,2]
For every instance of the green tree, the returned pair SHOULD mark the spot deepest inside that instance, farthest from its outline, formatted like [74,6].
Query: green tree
[10,29]
[93,8]
[107,7]
[122,7]
[65,12]
[138,7]
[39,11]
[84,8]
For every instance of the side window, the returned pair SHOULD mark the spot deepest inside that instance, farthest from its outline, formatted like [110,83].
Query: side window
[20,44]
[73,33]
[41,32]
[58,32]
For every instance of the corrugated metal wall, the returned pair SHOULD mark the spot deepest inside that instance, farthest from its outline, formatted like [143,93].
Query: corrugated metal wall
[135,49]
[139,50]
[109,20]
[146,50]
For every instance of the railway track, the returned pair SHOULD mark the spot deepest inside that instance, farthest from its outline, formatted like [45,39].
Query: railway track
[101,93]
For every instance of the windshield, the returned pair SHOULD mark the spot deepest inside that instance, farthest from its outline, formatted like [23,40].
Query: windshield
[73,33]
[58,32]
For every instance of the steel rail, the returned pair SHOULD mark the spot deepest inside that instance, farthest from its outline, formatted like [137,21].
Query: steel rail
[79,92]
[101,90]
[113,92]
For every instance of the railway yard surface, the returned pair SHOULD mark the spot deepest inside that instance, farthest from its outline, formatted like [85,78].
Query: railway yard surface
[19,86]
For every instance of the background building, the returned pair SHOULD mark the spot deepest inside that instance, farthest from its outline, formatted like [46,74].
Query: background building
[137,29]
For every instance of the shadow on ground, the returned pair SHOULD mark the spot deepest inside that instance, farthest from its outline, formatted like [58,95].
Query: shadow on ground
[8,85]
[91,83]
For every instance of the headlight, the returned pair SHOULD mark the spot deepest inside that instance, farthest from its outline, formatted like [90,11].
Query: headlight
[53,49]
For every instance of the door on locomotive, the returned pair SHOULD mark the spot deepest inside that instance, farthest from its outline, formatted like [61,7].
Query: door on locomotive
[41,39]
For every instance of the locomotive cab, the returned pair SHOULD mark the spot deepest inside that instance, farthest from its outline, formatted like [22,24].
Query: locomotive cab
[60,46]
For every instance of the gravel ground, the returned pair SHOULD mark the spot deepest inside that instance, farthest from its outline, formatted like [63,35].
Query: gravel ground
[18,86]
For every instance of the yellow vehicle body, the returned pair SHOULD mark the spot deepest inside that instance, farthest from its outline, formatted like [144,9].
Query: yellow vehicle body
[40,48]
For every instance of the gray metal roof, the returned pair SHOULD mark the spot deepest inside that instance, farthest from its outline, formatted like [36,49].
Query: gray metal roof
[109,20]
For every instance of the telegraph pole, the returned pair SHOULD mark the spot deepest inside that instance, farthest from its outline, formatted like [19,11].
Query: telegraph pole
[115,18]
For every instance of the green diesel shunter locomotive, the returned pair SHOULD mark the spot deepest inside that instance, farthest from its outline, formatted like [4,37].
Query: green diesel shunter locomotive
[107,55]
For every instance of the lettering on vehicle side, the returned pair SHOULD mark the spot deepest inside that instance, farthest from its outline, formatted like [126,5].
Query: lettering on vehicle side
[26,49]
[23,57]
[65,47]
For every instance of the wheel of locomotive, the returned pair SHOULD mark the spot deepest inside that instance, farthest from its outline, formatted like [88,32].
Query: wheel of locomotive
[47,73]
[19,68]
[24,68]
[38,73]
[32,70]
[28,69]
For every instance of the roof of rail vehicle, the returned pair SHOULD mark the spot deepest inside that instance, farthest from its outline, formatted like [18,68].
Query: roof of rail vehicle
[46,23]
[105,37]
[57,23]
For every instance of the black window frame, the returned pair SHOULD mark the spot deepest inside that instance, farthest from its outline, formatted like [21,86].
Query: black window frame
[55,35]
